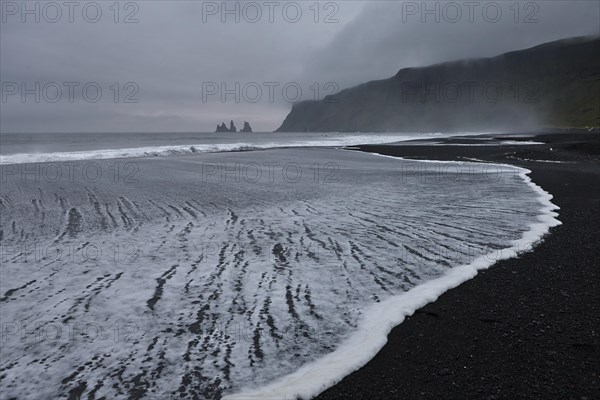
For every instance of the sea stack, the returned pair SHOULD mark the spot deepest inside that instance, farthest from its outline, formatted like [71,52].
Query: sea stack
[247,128]
[222,128]
[232,129]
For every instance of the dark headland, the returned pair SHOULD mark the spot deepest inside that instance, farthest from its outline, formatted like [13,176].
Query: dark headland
[528,327]
[554,84]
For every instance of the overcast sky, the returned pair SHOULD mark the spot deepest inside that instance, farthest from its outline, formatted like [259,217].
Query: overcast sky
[179,67]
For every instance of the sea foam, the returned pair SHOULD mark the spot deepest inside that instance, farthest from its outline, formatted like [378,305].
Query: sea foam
[380,318]
[273,288]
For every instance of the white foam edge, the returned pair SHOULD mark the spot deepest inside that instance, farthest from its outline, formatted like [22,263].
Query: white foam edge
[157,151]
[379,319]
[101,154]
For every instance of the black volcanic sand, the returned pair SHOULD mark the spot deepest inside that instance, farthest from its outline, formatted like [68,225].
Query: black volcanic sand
[526,328]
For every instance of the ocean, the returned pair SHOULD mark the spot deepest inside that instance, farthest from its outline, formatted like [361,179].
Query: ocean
[41,147]
[166,265]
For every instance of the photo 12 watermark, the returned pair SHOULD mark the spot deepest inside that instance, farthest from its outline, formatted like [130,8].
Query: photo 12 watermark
[69,92]
[453,12]
[268,92]
[470,92]
[73,253]
[270,173]
[52,332]
[457,171]
[52,12]
[269,251]
[123,172]
[288,331]
[253,12]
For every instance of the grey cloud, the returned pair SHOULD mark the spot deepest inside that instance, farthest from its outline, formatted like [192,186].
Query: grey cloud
[389,36]
[171,52]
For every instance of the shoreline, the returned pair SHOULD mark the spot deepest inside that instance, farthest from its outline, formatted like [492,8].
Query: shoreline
[405,305]
[525,327]
[575,162]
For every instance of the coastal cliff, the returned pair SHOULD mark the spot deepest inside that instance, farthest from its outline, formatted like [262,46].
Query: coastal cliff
[552,85]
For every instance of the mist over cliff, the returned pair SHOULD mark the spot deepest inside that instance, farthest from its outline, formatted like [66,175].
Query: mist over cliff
[552,85]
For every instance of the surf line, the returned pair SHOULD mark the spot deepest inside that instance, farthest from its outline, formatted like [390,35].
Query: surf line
[379,319]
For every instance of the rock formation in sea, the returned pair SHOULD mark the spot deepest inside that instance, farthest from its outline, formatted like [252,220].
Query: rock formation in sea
[222,128]
[247,128]
[232,129]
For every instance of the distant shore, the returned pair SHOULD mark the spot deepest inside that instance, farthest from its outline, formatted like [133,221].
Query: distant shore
[526,328]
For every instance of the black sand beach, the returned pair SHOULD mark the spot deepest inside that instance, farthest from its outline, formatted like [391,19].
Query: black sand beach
[528,327]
